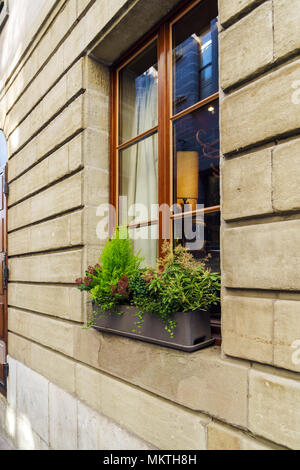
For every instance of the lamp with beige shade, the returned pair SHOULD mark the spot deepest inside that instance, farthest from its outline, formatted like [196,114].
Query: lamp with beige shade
[187,178]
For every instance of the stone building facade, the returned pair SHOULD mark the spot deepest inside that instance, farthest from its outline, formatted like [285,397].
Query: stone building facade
[74,389]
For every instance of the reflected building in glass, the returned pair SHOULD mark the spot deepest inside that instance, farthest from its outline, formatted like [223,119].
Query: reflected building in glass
[196,134]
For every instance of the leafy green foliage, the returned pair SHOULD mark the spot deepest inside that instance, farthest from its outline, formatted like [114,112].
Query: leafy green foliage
[177,284]
[118,259]
[119,264]
[108,284]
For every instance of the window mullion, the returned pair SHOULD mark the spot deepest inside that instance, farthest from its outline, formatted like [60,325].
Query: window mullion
[164,169]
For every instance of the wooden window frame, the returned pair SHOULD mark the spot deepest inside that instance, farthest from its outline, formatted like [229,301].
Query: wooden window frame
[162,33]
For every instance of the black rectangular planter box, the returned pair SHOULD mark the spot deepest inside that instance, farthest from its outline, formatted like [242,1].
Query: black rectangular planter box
[193,330]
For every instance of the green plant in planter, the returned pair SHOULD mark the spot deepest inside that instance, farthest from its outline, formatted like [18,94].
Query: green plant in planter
[178,284]
[108,282]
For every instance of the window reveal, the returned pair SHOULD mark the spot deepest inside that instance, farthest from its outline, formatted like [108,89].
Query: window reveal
[165,135]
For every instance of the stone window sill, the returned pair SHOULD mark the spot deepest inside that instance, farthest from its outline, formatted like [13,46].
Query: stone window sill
[203,381]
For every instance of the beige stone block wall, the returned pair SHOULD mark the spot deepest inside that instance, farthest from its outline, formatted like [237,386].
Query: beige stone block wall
[247,185]
[44,124]
[55,200]
[248,328]
[260,208]
[267,391]
[287,334]
[261,182]
[263,329]
[247,46]
[150,417]
[286,27]
[55,301]
[286,176]
[102,413]
[265,100]
[52,268]
[222,437]
[58,420]
[262,256]
[64,161]
[202,381]
[30,18]
[55,113]
[229,10]
[43,330]
[57,368]
[21,131]
[63,231]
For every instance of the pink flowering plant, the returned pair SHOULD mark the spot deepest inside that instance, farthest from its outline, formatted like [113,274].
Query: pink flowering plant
[90,279]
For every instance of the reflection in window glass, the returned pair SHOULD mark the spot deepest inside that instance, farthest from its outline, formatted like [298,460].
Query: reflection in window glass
[197,180]
[201,235]
[195,57]
[3,150]
[196,158]
[138,95]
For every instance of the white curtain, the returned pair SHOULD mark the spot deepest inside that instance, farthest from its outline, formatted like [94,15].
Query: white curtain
[139,163]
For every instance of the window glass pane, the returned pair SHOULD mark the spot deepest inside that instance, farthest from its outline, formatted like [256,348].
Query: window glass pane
[138,95]
[201,235]
[196,158]
[195,56]
[3,150]
[138,179]
[145,240]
